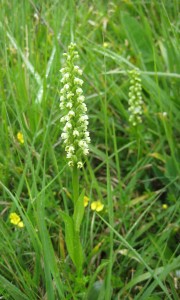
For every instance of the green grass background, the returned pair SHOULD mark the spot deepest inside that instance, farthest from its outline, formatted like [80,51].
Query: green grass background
[132,247]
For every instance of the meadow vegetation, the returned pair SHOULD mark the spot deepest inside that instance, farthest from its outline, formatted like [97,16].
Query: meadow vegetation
[130,230]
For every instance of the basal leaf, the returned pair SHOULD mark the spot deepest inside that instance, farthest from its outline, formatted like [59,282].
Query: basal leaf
[69,234]
[78,252]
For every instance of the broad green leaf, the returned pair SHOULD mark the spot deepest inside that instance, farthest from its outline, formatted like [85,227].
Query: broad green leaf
[78,252]
[95,291]
[78,212]
[72,239]
[69,234]
[171,168]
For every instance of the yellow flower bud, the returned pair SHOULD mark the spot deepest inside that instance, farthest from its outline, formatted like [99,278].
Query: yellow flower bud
[86,201]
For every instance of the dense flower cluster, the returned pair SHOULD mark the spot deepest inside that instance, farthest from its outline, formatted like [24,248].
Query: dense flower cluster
[135,98]
[75,120]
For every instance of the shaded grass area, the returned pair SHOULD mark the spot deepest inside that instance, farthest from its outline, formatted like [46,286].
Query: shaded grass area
[132,247]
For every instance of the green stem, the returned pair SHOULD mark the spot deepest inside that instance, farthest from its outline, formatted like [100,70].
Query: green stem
[75,183]
[77,243]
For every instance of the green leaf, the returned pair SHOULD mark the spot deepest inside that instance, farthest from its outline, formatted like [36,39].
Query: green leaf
[69,234]
[73,242]
[95,291]
[7,288]
[171,168]
[79,212]
[78,252]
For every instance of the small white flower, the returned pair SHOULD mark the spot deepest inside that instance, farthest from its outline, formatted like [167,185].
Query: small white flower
[77,70]
[88,140]
[70,95]
[83,118]
[84,127]
[67,126]
[63,70]
[81,144]
[86,134]
[70,163]
[79,91]
[61,105]
[71,113]
[66,87]
[80,72]
[78,81]
[79,164]
[80,99]
[85,145]
[66,76]
[62,91]
[86,151]
[69,155]
[67,118]
[83,107]
[137,110]
[62,119]
[69,105]
[76,133]
[62,98]
[71,149]
[64,135]
[86,123]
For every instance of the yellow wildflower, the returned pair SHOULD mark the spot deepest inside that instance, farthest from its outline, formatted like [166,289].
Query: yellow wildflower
[20,137]
[16,220]
[105,45]
[164,206]
[97,206]
[86,201]
[20,224]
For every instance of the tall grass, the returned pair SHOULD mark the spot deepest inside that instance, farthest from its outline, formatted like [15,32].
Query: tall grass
[131,247]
